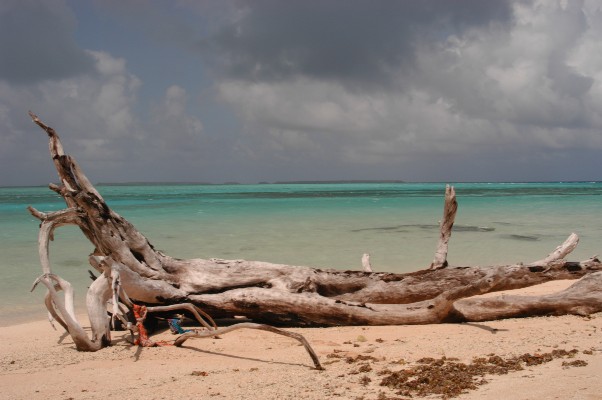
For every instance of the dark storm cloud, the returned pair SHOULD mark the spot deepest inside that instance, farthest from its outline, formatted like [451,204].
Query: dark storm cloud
[304,89]
[346,41]
[36,42]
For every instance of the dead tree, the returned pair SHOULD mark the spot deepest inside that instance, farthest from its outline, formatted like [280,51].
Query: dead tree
[132,272]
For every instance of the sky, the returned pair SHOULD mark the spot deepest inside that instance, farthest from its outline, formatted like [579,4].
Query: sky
[271,90]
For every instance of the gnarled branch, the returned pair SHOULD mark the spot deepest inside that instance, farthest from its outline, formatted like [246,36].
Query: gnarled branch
[445,228]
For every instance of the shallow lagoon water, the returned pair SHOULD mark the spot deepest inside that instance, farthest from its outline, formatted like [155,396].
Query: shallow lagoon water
[321,225]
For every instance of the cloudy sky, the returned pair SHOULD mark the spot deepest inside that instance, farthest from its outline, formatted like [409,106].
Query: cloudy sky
[249,91]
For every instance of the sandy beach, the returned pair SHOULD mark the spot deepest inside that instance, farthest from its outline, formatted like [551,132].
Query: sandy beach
[40,363]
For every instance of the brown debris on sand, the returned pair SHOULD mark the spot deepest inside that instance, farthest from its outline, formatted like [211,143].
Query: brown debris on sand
[448,377]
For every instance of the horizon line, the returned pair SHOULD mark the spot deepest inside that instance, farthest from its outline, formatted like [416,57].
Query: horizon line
[304,182]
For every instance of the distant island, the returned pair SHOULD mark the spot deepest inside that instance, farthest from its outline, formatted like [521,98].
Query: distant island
[341,181]
[161,183]
[238,183]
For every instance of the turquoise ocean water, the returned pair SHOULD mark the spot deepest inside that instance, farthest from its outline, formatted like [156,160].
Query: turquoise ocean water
[322,225]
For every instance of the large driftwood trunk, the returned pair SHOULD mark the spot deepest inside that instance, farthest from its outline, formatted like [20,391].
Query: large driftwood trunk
[131,269]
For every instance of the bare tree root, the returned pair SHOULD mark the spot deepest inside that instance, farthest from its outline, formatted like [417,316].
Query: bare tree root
[249,325]
[63,310]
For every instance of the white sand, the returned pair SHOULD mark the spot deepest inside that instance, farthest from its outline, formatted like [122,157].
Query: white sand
[40,363]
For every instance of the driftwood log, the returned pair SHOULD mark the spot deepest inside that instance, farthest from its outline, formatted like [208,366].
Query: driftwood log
[133,272]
